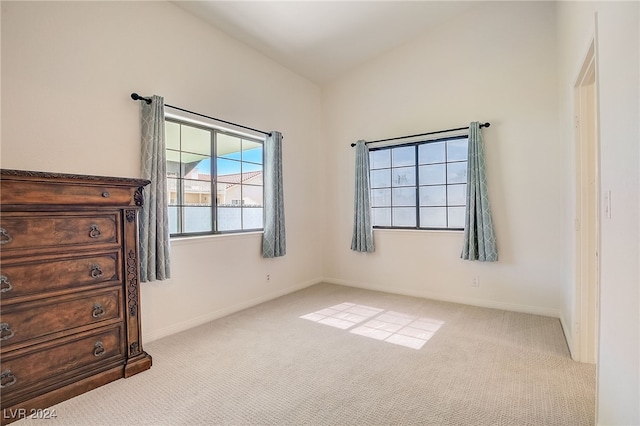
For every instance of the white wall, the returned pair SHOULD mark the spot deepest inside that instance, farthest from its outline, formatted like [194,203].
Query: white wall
[618,75]
[67,71]
[496,63]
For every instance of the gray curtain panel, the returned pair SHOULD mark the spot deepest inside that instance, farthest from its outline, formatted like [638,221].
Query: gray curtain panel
[479,238]
[154,215]
[273,239]
[362,239]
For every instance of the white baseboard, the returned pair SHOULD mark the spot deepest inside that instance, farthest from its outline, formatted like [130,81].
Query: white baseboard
[568,337]
[513,307]
[203,319]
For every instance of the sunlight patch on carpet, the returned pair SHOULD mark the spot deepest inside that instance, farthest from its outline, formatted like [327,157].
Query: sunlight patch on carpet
[389,326]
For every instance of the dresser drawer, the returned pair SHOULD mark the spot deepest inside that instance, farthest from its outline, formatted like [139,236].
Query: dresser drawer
[51,318]
[67,357]
[20,192]
[20,231]
[39,277]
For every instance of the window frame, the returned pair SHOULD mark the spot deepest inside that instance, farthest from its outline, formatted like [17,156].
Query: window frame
[214,132]
[417,185]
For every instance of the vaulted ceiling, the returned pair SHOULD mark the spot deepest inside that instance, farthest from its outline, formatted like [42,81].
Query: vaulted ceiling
[321,40]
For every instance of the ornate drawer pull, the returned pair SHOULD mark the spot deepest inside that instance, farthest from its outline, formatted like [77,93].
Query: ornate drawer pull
[94,231]
[98,349]
[7,378]
[106,194]
[96,272]
[5,285]
[98,311]
[5,238]
[5,331]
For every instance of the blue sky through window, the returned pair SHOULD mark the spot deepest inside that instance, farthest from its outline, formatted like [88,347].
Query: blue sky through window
[230,167]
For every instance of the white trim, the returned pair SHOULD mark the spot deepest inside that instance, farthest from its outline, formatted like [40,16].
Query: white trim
[484,303]
[181,117]
[199,239]
[203,319]
[450,232]
[585,322]
[568,337]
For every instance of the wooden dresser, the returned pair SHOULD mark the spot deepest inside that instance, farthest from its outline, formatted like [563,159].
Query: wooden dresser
[69,287]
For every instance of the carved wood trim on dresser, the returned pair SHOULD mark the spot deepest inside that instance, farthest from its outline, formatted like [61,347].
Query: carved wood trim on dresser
[69,287]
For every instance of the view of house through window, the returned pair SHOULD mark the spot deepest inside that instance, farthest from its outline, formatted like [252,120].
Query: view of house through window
[214,180]
[421,185]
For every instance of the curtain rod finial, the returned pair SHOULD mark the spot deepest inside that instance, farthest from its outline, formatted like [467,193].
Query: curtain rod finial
[486,124]
[137,97]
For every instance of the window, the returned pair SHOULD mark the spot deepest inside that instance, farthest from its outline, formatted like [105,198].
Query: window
[422,185]
[202,161]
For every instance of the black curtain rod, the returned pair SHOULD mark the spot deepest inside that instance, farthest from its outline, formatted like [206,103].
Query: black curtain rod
[137,97]
[423,134]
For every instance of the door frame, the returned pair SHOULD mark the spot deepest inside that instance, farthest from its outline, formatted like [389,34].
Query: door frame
[587,205]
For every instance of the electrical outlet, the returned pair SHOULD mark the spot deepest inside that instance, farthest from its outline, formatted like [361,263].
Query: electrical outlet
[268,277]
[476,281]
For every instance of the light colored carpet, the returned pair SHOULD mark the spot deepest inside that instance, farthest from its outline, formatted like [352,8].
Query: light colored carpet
[268,366]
